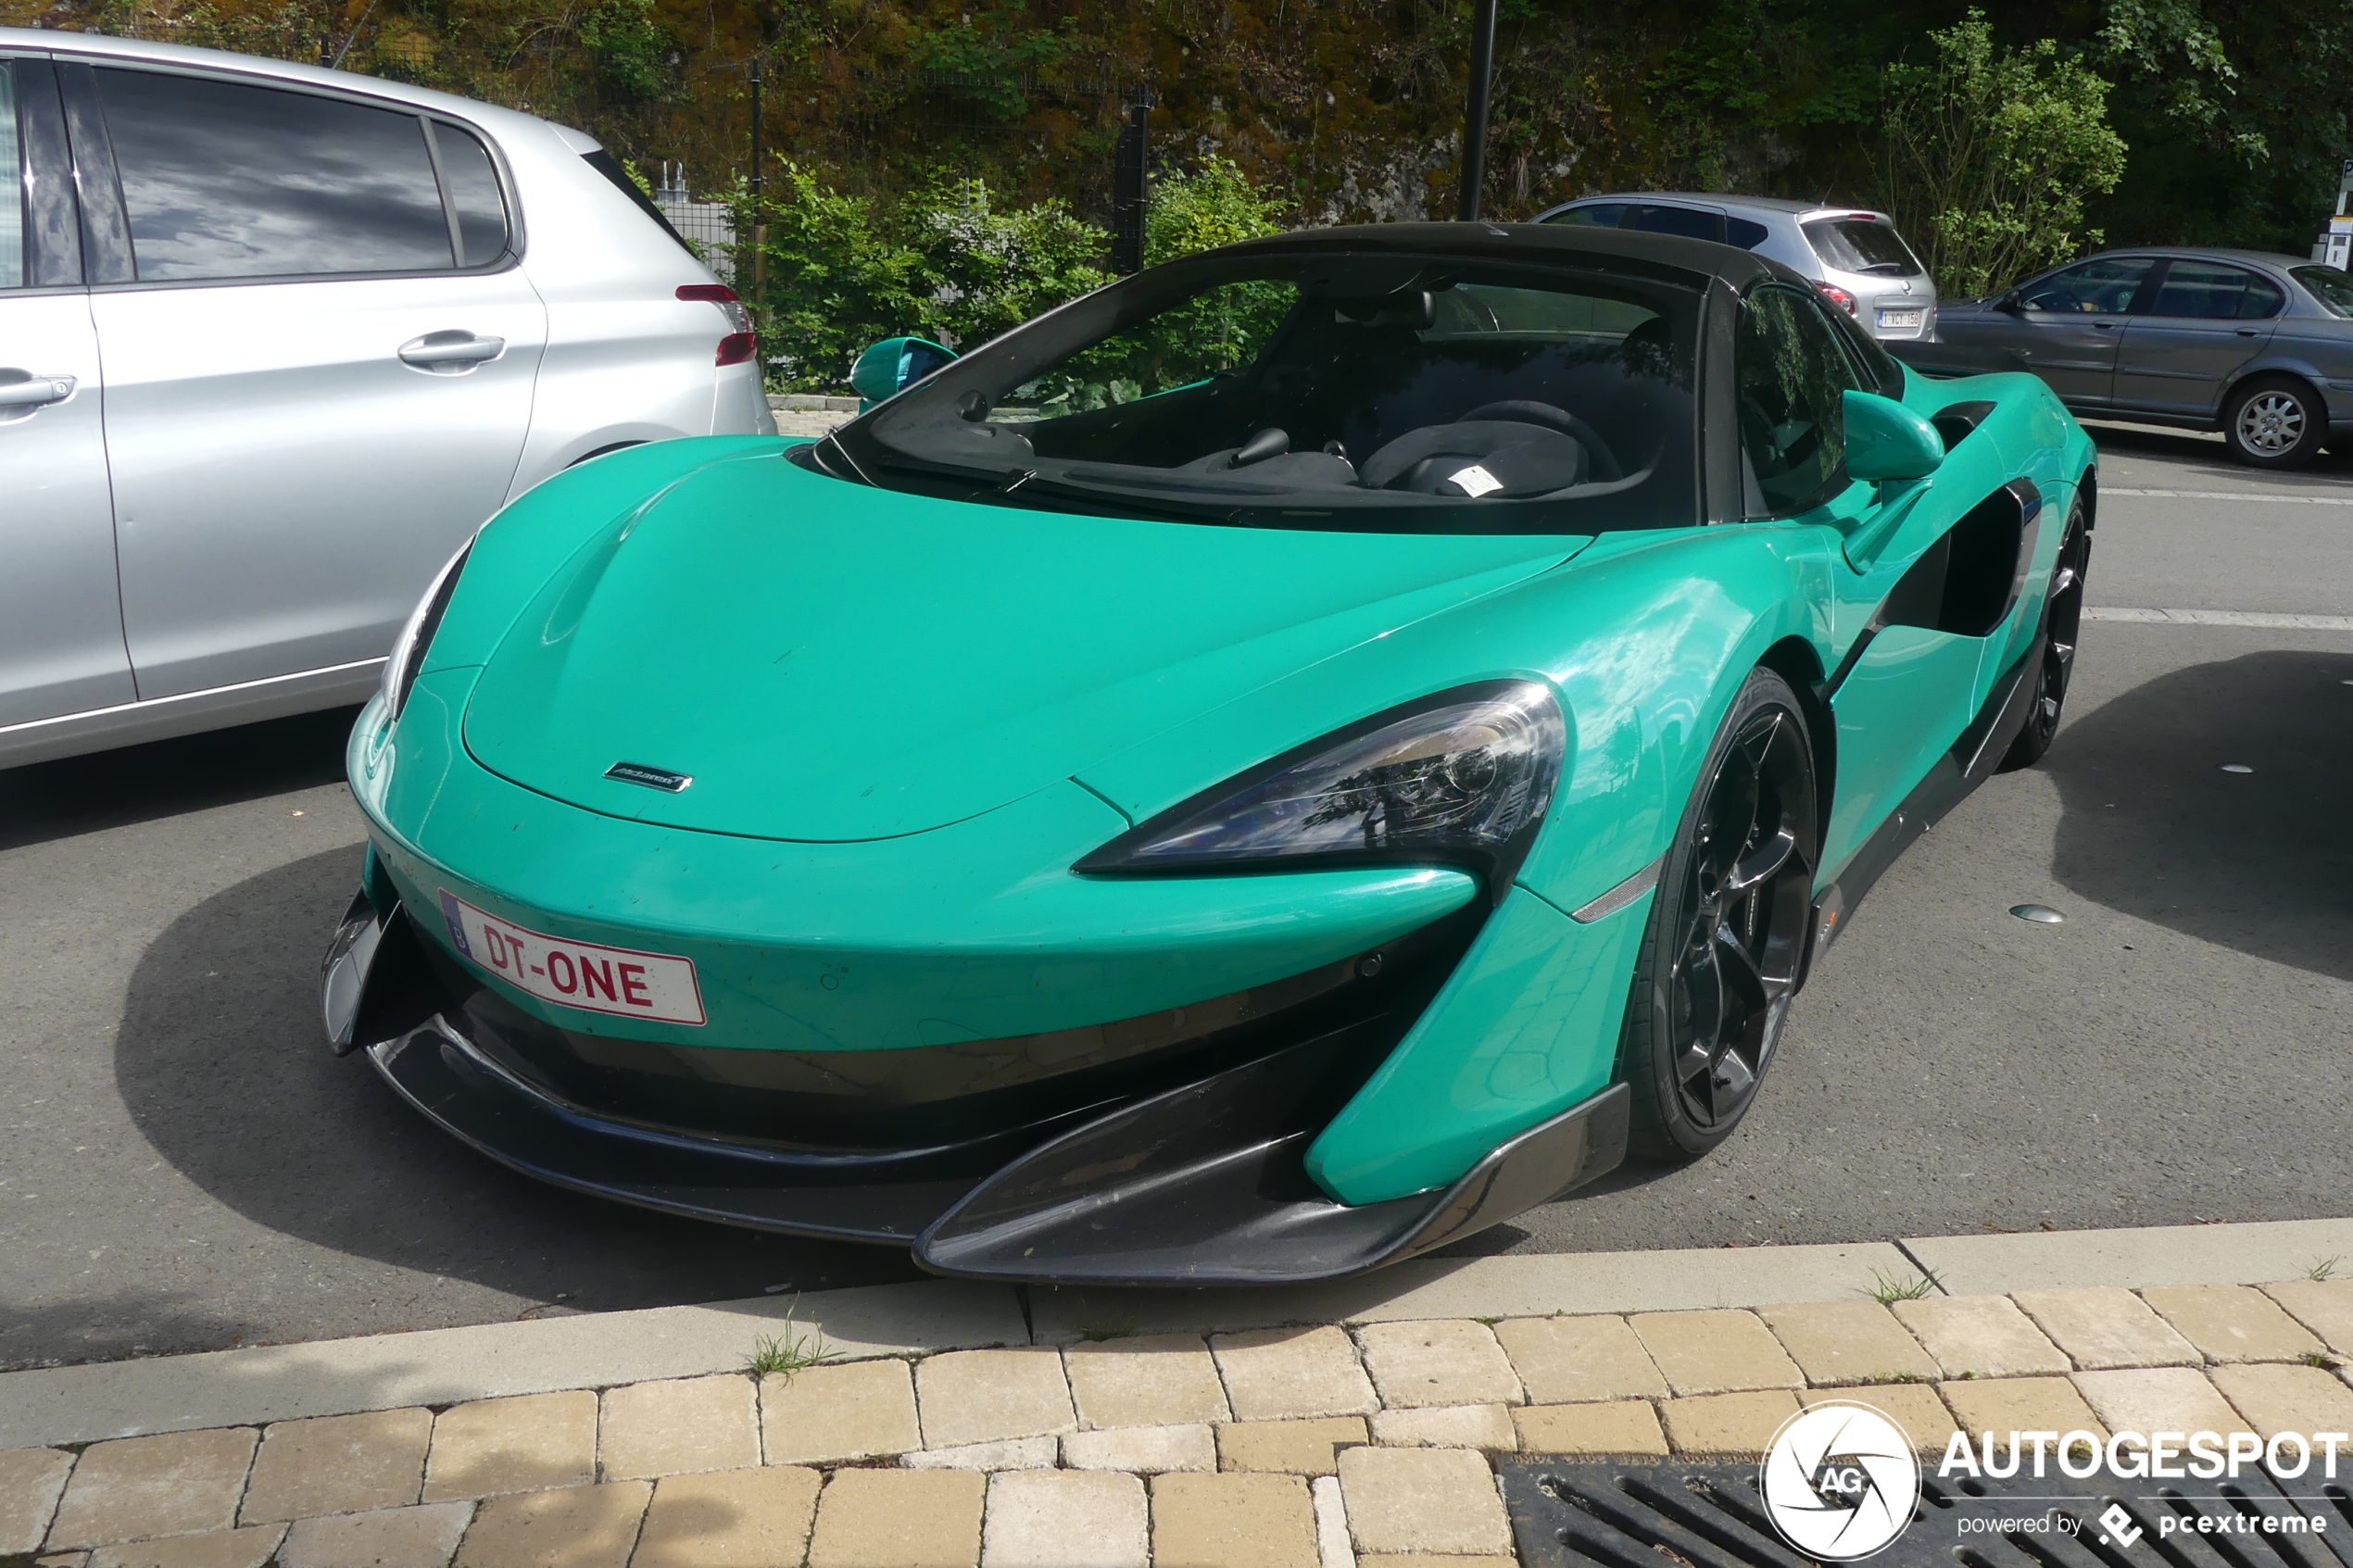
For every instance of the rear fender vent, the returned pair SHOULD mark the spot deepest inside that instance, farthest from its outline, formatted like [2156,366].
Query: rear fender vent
[1576,1515]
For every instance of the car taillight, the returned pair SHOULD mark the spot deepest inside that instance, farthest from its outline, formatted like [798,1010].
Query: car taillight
[743,343]
[1838,296]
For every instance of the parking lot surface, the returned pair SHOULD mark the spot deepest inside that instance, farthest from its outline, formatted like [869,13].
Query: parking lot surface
[184,1166]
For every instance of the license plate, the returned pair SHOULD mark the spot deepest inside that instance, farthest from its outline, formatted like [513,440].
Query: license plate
[1899,319]
[620,980]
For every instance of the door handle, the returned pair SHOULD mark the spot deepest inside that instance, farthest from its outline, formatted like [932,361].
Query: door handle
[28,391]
[2106,326]
[450,353]
[2250,331]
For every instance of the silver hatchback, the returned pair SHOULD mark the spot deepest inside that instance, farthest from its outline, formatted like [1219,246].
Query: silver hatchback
[1854,257]
[273,342]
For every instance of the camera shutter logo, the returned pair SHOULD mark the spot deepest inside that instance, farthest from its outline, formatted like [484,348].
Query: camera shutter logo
[1839,1481]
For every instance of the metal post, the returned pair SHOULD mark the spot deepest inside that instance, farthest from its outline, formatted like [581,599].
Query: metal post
[758,191]
[1482,83]
[1130,190]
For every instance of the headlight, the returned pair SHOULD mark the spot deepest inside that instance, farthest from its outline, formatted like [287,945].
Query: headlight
[408,649]
[1463,777]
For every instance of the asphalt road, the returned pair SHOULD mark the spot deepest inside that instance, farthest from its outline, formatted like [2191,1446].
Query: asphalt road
[185,1168]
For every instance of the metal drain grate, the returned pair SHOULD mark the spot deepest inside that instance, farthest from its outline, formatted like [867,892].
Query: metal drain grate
[1584,1515]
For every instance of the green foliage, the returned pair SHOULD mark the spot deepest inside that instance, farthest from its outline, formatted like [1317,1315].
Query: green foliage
[784,1354]
[1991,152]
[1888,1289]
[986,269]
[2168,49]
[993,49]
[2236,111]
[952,263]
[1214,205]
[833,281]
[631,50]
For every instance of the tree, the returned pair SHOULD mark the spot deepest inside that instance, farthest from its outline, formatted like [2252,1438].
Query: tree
[1991,152]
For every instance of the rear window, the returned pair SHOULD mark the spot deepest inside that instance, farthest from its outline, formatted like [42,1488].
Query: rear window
[2333,286]
[2214,290]
[1862,244]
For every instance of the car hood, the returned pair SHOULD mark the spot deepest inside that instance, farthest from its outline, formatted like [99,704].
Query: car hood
[827,661]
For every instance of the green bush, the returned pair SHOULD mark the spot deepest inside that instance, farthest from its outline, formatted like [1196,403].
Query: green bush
[948,262]
[1991,152]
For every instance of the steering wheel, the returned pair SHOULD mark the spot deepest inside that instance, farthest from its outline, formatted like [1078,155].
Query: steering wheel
[1604,466]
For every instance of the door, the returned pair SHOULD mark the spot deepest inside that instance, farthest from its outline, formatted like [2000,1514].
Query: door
[2205,321]
[60,620]
[2069,324]
[1903,692]
[320,361]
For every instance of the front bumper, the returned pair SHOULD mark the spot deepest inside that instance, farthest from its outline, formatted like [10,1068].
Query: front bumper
[1178,1163]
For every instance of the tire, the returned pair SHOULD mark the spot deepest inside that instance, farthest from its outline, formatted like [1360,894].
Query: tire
[2275,422]
[2062,619]
[1726,943]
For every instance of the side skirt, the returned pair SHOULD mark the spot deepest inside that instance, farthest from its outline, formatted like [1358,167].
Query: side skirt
[1950,782]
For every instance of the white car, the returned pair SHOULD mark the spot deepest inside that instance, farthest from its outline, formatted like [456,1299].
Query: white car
[273,342]
[1857,258]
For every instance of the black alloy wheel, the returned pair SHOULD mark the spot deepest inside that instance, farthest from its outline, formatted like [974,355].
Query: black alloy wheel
[2062,622]
[1726,943]
[2275,422]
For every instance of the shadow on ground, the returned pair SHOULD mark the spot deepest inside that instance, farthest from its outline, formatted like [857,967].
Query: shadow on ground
[2258,862]
[220,1064]
[2330,469]
[170,778]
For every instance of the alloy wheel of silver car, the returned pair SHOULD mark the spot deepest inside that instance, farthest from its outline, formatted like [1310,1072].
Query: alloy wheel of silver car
[2272,422]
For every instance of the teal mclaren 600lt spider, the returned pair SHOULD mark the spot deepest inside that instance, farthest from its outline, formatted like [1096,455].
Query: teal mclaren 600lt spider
[1303,753]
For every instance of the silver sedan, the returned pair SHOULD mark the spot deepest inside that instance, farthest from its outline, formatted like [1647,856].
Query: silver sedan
[2257,345]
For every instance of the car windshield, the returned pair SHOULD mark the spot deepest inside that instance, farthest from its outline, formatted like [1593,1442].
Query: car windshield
[1862,244]
[1332,392]
[2333,286]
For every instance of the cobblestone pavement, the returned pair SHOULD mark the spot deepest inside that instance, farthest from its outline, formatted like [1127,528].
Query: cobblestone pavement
[1317,1446]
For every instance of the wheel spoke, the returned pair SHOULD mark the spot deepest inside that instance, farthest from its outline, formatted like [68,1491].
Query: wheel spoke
[1746,987]
[1731,809]
[1762,862]
[1731,1080]
[1701,986]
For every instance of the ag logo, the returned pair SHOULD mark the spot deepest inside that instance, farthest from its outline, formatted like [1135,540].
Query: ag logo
[1839,1481]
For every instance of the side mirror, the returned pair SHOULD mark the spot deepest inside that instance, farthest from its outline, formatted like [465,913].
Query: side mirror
[1885,440]
[892,366]
[2009,304]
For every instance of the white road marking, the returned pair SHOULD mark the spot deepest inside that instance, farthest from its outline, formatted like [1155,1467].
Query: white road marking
[2235,496]
[2221,618]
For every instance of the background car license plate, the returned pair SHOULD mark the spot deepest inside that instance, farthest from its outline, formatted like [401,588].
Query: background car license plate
[575,974]
[1899,318]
